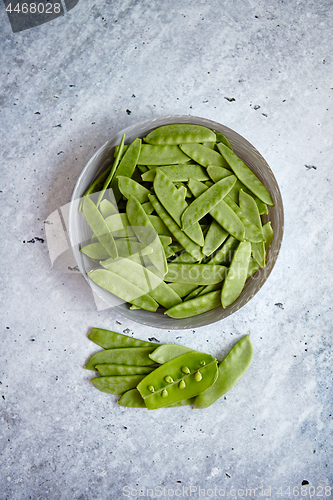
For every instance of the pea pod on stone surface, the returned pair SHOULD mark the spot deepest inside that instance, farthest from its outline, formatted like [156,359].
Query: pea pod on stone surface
[183,377]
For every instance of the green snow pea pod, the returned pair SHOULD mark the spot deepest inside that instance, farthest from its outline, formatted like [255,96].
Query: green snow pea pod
[203,155]
[159,225]
[210,288]
[168,252]
[95,251]
[174,203]
[117,384]
[184,258]
[161,155]
[181,378]
[249,206]
[119,225]
[252,232]
[126,166]
[99,227]
[148,207]
[165,295]
[166,352]
[132,399]
[182,289]
[112,171]
[218,173]
[245,175]
[110,340]
[194,293]
[199,274]
[179,173]
[215,236]
[165,240]
[253,267]
[189,245]
[229,372]
[237,274]
[107,208]
[194,307]
[222,213]
[178,133]
[143,228]
[221,138]
[226,252]
[137,356]
[205,202]
[268,234]
[128,187]
[122,288]
[113,369]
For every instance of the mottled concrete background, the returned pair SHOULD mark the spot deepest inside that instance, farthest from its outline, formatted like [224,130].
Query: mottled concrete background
[264,69]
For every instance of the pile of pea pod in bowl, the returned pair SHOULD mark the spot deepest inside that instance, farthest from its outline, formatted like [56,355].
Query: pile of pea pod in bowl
[176,222]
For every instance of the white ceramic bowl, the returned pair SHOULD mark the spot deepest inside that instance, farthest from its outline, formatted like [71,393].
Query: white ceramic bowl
[79,231]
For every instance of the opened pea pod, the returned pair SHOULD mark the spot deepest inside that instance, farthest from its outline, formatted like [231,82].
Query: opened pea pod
[147,375]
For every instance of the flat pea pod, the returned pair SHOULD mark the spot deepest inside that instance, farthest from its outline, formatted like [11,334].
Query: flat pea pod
[137,356]
[166,352]
[217,173]
[222,213]
[117,384]
[250,208]
[194,293]
[189,245]
[230,371]
[95,251]
[268,234]
[225,254]
[133,399]
[205,202]
[99,227]
[179,173]
[199,274]
[111,340]
[237,274]
[113,170]
[222,138]
[203,155]
[143,228]
[112,369]
[253,268]
[245,174]
[128,187]
[122,288]
[252,232]
[215,237]
[146,280]
[177,379]
[107,208]
[194,307]
[161,155]
[148,207]
[127,165]
[182,289]
[174,203]
[159,225]
[210,288]
[178,133]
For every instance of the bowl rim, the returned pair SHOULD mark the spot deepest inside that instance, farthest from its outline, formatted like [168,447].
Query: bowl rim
[108,148]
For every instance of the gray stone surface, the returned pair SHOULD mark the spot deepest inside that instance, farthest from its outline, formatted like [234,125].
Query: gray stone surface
[66,87]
